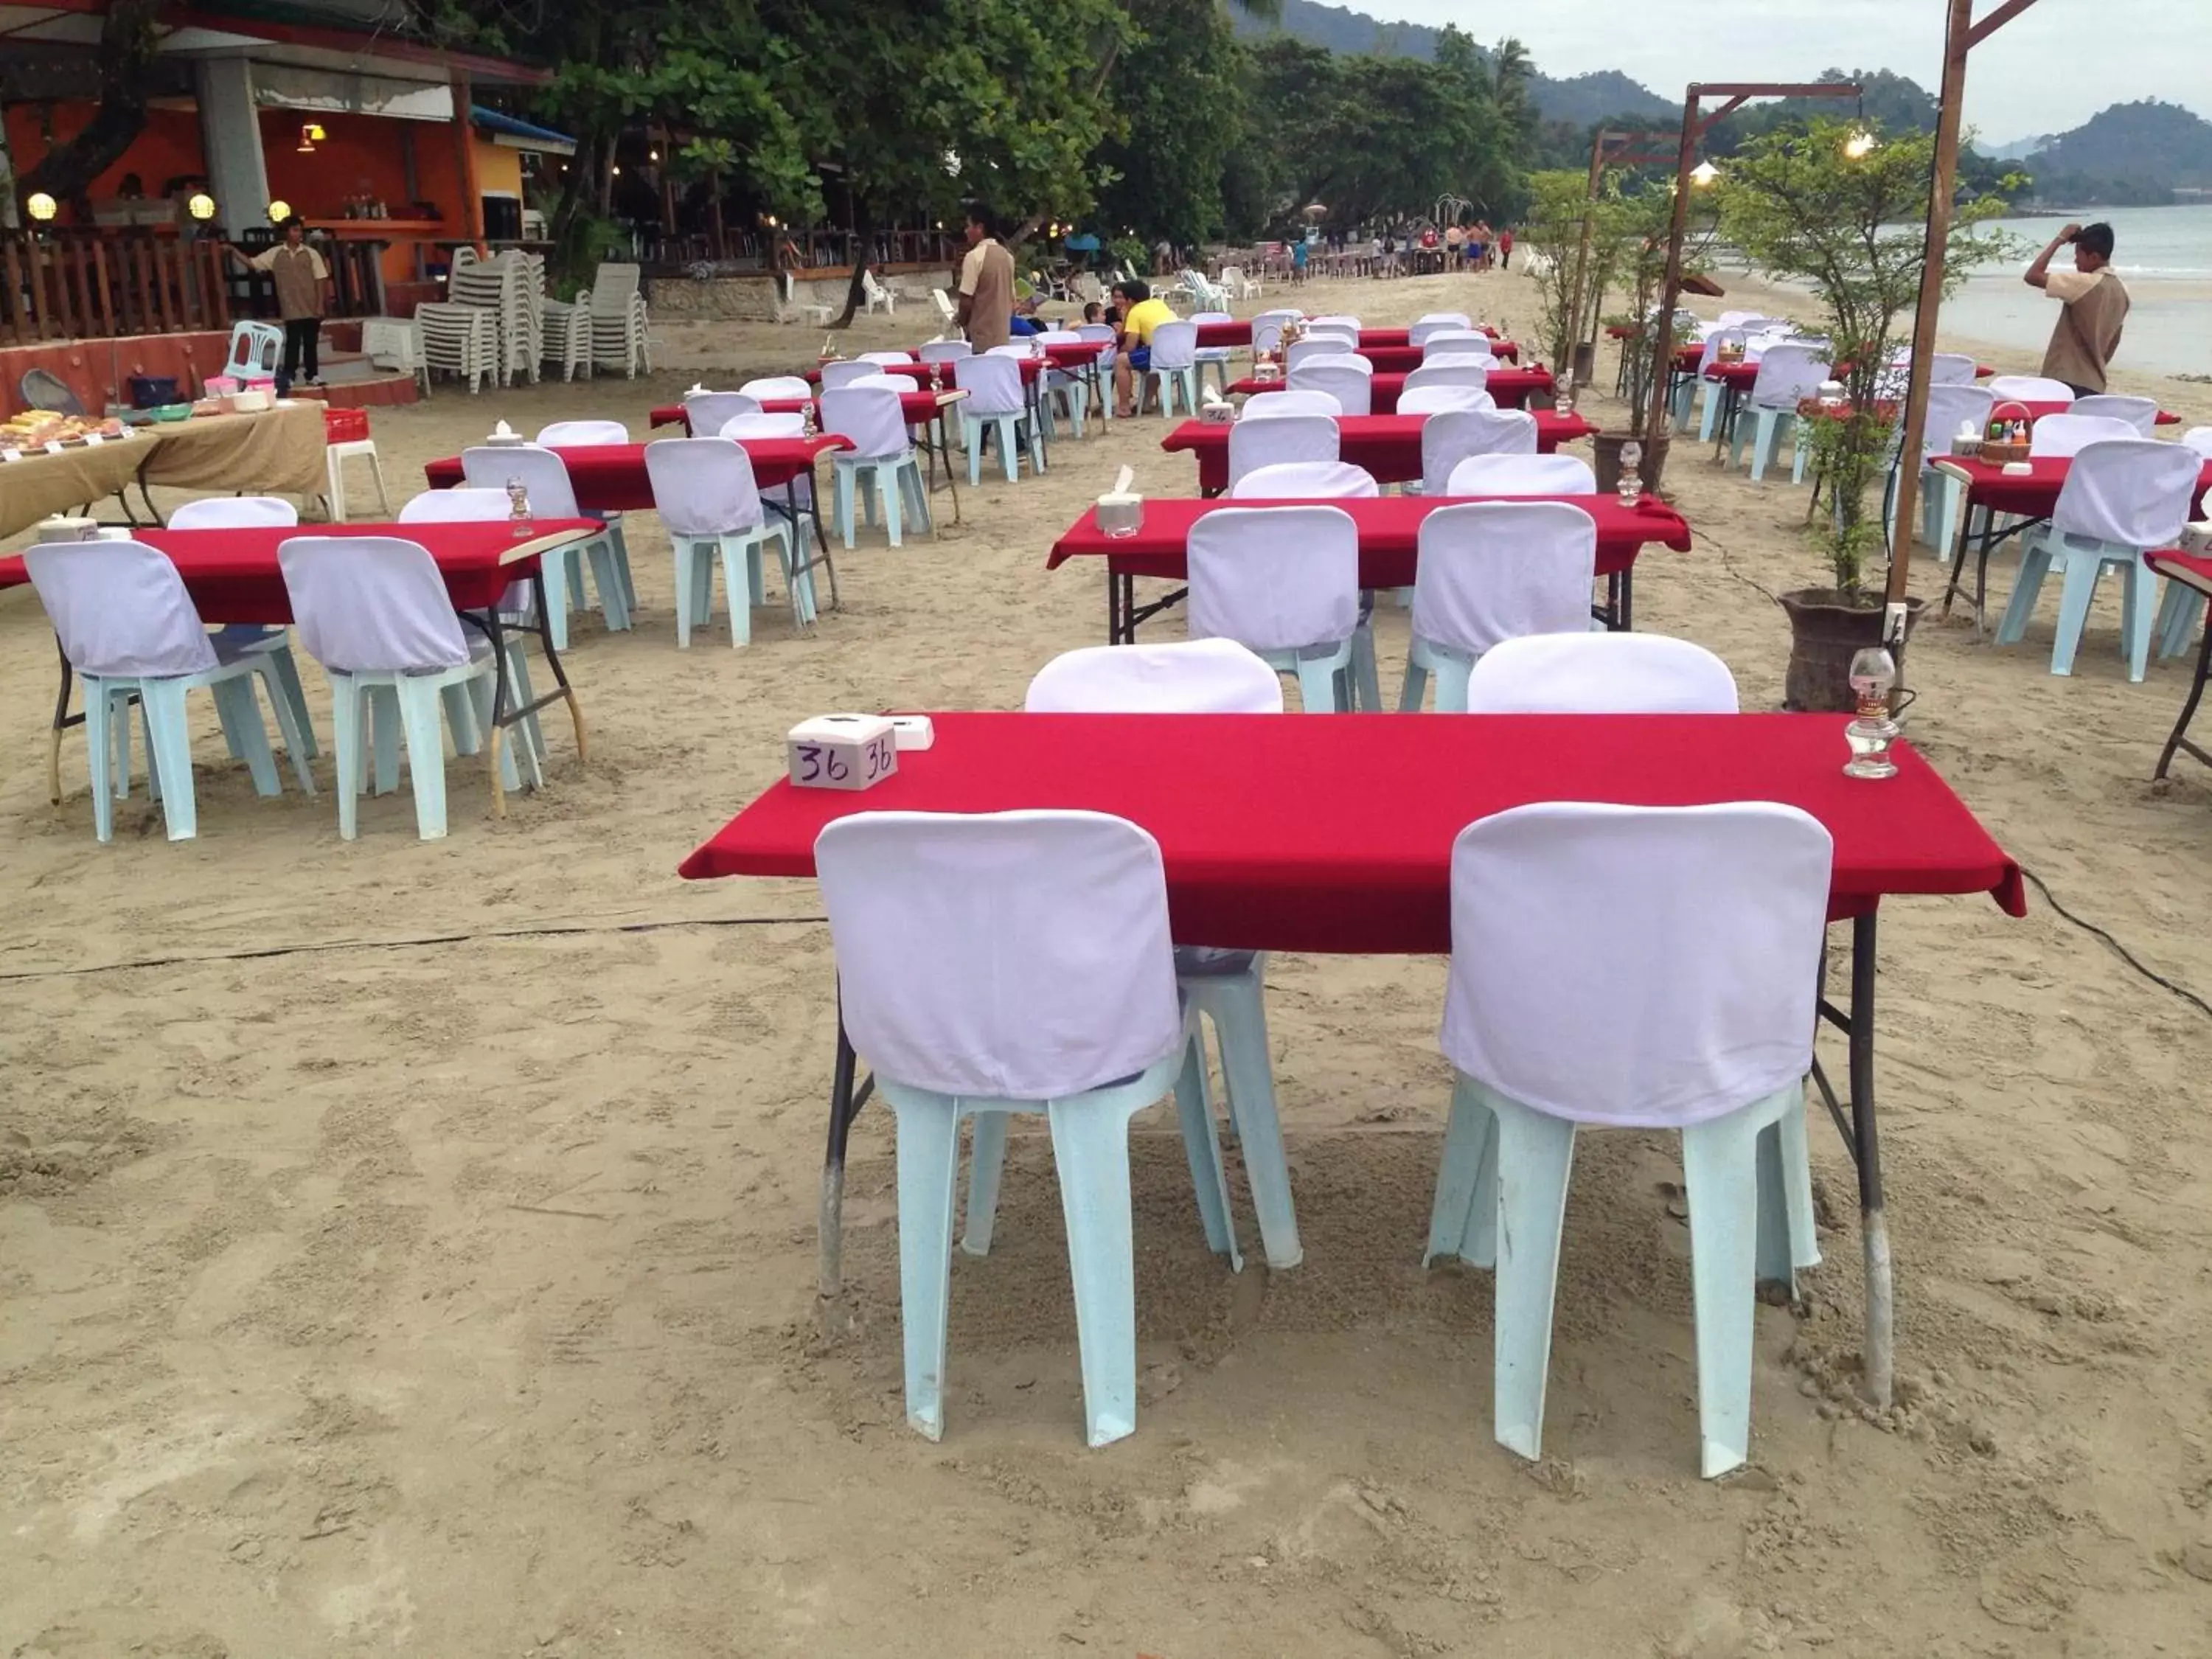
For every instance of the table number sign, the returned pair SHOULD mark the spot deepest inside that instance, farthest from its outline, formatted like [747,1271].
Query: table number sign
[842,751]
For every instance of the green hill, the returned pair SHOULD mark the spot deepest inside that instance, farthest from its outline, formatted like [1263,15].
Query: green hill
[2130,153]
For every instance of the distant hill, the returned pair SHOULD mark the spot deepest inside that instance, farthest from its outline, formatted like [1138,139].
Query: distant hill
[2130,153]
[1580,99]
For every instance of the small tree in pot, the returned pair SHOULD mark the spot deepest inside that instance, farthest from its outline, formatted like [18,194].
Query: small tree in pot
[1835,205]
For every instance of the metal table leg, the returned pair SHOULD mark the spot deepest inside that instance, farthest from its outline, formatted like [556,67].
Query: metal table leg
[2178,742]
[504,710]
[1861,1135]
[845,1103]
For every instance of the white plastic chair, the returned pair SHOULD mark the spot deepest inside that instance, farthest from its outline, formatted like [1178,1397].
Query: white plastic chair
[881,463]
[2183,604]
[232,512]
[2123,497]
[1327,343]
[2061,437]
[876,297]
[708,412]
[1711,391]
[947,351]
[1213,358]
[463,504]
[1281,405]
[591,434]
[1284,582]
[1949,368]
[1468,373]
[1453,435]
[1942,495]
[2029,389]
[2141,414]
[887,359]
[1455,343]
[1437,399]
[1349,379]
[1347,325]
[1787,375]
[1174,366]
[544,479]
[1255,444]
[995,399]
[704,490]
[128,629]
[1712,918]
[374,610]
[1307,481]
[1435,323]
[843,371]
[2199,438]
[1490,571]
[1504,476]
[1579,672]
[1015,961]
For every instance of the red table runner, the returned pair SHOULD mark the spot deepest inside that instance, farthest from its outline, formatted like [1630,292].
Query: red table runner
[611,478]
[233,575]
[918,372]
[2034,494]
[916,406]
[1390,529]
[2190,569]
[1388,445]
[1510,388]
[1284,833]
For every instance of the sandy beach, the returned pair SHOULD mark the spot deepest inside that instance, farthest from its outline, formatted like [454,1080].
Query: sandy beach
[408,1248]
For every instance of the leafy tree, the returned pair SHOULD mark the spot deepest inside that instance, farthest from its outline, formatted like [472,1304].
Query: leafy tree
[127,43]
[1178,85]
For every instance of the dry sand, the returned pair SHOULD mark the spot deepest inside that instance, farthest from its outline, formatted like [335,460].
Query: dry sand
[457,1298]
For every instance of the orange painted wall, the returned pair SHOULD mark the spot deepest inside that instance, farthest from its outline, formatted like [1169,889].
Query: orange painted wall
[360,153]
[169,147]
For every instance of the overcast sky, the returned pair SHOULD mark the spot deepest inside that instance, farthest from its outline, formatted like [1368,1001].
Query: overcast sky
[2049,70]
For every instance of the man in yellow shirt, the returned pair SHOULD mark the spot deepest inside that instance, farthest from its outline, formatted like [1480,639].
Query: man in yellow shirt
[1140,314]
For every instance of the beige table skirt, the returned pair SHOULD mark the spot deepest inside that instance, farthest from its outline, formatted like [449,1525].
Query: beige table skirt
[277,452]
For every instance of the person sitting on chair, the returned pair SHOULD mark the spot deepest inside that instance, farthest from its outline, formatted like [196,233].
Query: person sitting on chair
[1140,314]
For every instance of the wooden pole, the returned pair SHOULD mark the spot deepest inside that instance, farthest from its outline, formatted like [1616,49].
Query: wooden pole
[1670,291]
[1574,308]
[464,157]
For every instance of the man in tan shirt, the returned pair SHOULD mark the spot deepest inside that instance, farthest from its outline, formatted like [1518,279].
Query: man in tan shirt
[302,279]
[987,284]
[2096,305]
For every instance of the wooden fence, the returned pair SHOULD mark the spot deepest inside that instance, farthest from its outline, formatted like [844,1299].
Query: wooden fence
[66,284]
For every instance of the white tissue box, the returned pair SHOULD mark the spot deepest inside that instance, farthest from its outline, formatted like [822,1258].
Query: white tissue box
[912,731]
[1217,414]
[842,751]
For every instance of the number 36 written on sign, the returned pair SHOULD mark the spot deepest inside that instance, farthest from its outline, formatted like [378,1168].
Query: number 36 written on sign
[838,763]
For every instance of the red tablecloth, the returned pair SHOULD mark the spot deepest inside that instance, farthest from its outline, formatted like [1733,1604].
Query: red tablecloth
[1687,357]
[1030,367]
[2034,495]
[1239,333]
[233,577]
[1069,357]
[916,406]
[1388,445]
[1390,529]
[1335,835]
[611,478]
[2191,569]
[1510,388]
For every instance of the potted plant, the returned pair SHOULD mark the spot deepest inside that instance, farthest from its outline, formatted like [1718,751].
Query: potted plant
[1837,206]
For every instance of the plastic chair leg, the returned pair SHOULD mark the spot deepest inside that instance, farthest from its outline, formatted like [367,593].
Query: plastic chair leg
[286,672]
[426,757]
[169,737]
[741,576]
[2077,593]
[690,612]
[893,488]
[557,600]
[1720,1171]
[99,748]
[241,715]
[1201,1145]
[347,697]
[1318,687]
[1451,674]
[614,607]
[987,1163]
[1366,680]
[841,480]
[1090,1148]
[461,715]
[2138,610]
[929,1166]
[2027,585]
[1535,1155]
[291,715]
[1463,1215]
[1710,418]
[2177,618]
[383,736]
[1414,688]
[1239,1006]
[621,546]
[1796,1190]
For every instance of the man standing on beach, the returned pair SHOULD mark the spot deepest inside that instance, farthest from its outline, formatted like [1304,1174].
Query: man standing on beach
[2096,304]
[302,280]
[987,282]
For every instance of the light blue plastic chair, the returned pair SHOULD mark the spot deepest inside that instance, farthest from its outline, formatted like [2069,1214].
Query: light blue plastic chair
[1710,920]
[1787,375]
[2123,497]
[1292,615]
[1073,391]
[544,479]
[129,630]
[235,512]
[1714,393]
[881,462]
[995,401]
[1942,495]
[1063,917]
[1173,368]
[1490,571]
[2178,612]
[586,435]
[704,490]
[1212,357]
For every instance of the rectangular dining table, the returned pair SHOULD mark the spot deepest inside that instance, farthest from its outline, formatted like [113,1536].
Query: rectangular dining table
[1257,858]
[1510,388]
[233,576]
[1389,529]
[1388,446]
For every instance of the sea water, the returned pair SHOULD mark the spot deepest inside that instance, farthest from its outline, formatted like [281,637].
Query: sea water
[2164,254]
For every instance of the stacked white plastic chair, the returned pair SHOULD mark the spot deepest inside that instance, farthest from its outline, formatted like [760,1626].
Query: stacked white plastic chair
[544,477]
[129,630]
[996,402]
[375,612]
[1284,582]
[618,321]
[2123,497]
[565,336]
[881,461]
[458,340]
[704,490]
[1716,915]
[1254,444]
[509,290]
[1064,916]
[1490,571]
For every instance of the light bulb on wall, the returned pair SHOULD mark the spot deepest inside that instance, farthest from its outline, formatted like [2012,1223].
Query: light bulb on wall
[43,206]
[200,205]
[279,211]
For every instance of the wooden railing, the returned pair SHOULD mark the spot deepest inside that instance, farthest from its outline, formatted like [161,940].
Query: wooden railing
[65,284]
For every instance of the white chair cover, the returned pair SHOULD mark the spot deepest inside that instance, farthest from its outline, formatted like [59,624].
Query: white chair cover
[544,476]
[1349,379]
[2140,413]
[1455,343]
[371,604]
[1450,437]
[779,386]
[1274,578]
[2135,492]
[1726,334]
[708,412]
[1458,371]
[2199,438]
[870,418]
[1348,325]
[887,357]
[232,513]
[1323,345]
[119,608]
[583,434]
[1429,328]
[843,372]
[1787,375]
[1949,368]
[764,425]
[1174,345]
[898,385]
[994,384]
[1951,406]
[461,504]
[1644,967]
[2029,389]
[1435,399]
[1306,481]
[1020,955]
[1275,405]
[948,351]
[2069,434]
[702,486]
[1579,672]
[1186,677]
[1522,475]
[1254,444]
[1496,570]
[1266,334]
[1011,350]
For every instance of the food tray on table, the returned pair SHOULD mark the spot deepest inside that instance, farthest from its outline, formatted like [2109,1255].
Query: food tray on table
[37,431]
